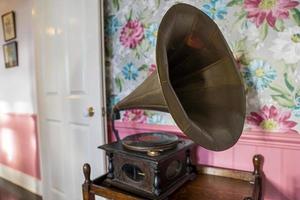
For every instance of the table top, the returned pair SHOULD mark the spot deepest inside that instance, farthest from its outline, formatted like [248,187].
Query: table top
[211,187]
[232,185]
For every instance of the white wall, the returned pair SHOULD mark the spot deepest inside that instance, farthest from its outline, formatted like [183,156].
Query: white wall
[17,85]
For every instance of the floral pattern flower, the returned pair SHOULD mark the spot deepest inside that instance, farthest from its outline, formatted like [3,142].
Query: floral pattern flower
[270,10]
[259,74]
[215,9]
[297,101]
[269,118]
[296,110]
[287,45]
[112,25]
[288,94]
[135,115]
[130,72]
[152,68]
[151,34]
[132,34]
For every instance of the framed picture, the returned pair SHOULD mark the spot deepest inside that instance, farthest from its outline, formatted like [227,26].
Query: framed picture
[10,51]
[9,26]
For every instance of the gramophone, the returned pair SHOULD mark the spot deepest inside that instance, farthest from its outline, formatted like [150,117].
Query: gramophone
[198,83]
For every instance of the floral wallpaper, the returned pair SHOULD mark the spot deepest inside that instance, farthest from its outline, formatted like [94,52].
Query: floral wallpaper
[264,36]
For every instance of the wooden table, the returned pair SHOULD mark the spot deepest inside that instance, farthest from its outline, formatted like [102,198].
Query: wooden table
[212,183]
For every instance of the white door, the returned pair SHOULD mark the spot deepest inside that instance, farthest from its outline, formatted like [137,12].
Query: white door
[69,61]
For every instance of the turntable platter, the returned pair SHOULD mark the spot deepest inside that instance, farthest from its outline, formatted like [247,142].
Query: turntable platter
[145,142]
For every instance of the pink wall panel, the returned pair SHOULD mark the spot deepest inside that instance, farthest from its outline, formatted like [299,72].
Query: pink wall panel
[223,159]
[204,156]
[19,144]
[243,153]
[281,154]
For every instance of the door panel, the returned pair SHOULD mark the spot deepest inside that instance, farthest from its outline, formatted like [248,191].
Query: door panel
[53,107]
[76,46]
[81,143]
[56,160]
[57,195]
[56,163]
[53,44]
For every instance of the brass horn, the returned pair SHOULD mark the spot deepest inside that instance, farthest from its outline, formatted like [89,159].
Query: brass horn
[197,80]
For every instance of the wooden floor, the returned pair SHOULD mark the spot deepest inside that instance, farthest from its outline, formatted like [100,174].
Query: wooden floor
[9,191]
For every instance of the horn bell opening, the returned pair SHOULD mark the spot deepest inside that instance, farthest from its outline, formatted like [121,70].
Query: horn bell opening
[201,85]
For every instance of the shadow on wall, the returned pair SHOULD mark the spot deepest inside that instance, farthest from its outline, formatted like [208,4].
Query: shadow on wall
[275,193]
[296,188]
[272,192]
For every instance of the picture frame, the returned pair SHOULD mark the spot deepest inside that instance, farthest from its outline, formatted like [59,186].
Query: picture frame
[9,26]
[10,51]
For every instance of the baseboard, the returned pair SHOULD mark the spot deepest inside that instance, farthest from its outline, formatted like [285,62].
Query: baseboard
[25,181]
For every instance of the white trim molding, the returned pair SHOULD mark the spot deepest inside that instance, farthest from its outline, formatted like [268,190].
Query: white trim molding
[21,179]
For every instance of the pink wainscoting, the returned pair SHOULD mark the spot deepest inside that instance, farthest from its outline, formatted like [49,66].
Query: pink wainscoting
[281,153]
[19,143]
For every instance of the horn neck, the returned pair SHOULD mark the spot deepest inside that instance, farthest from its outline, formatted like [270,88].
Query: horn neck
[147,96]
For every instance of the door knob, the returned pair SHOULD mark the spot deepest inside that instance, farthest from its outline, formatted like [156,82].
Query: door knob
[91,111]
